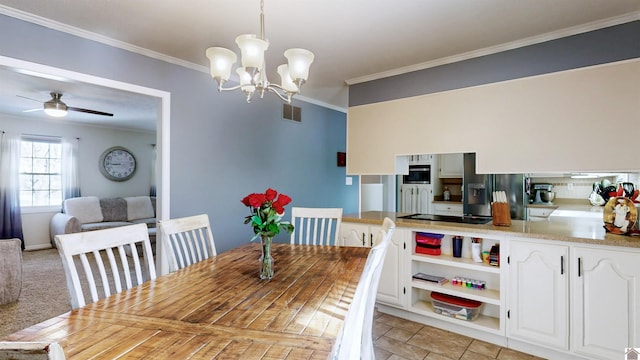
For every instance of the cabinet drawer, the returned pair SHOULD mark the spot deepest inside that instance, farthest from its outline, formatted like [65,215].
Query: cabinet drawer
[447,209]
[540,212]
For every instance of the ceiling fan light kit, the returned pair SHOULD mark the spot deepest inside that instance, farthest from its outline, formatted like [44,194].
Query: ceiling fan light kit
[252,73]
[55,107]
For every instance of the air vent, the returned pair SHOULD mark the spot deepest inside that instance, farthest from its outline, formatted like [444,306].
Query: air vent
[291,112]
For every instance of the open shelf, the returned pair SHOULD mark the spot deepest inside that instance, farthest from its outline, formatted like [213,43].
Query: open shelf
[464,263]
[487,295]
[483,322]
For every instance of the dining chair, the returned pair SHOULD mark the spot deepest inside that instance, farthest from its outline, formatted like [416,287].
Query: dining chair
[92,248]
[315,226]
[31,350]
[187,240]
[355,340]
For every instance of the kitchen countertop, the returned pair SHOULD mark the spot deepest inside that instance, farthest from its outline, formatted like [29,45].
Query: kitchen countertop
[576,222]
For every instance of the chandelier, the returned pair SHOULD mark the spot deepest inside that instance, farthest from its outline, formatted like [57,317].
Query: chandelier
[252,73]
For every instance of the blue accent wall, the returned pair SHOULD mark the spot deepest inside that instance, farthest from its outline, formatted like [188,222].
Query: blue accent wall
[221,147]
[615,43]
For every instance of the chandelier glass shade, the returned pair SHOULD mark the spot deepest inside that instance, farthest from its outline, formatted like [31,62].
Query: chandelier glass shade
[252,72]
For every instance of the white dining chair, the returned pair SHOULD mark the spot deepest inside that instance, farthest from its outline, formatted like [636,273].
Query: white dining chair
[355,340]
[91,248]
[315,226]
[187,240]
[30,350]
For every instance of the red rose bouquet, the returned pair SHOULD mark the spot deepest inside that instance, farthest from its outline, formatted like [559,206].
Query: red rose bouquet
[266,213]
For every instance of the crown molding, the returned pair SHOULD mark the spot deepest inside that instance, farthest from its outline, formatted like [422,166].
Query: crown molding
[633,16]
[55,25]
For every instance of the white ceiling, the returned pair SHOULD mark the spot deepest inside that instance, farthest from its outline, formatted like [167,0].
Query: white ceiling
[354,41]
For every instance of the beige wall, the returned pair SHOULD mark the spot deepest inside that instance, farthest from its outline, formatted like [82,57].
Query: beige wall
[578,120]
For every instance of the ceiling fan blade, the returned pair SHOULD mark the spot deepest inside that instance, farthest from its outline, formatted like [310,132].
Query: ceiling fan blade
[32,110]
[95,112]
[28,98]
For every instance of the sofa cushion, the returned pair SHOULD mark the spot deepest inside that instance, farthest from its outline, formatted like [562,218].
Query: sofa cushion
[103,225]
[139,207]
[86,209]
[114,209]
[150,222]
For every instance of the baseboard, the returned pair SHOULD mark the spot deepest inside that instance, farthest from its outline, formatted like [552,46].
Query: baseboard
[435,322]
[37,247]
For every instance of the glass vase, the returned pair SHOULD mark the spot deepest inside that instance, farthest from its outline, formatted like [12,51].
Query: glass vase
[266,261]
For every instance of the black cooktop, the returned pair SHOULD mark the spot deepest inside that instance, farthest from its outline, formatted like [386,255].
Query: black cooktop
[448,218]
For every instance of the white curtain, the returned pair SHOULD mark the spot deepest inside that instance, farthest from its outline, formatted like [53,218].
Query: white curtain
[69,171]
[10,215]
[152,191]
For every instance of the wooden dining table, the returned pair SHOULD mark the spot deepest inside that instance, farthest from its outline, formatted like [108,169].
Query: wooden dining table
[219,308]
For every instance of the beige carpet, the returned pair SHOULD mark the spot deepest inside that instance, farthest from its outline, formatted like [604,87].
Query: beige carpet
[44,289]
[44,292]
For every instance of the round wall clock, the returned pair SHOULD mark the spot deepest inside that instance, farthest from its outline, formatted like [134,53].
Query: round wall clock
[117,163]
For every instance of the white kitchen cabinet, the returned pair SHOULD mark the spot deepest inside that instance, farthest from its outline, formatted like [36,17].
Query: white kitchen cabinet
[538,293]
[606,304]
[421,159]
[451,165]
[355,234]
[416,199]
[452,209]
[391,289]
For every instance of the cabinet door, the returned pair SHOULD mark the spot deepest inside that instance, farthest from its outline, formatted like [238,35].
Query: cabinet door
[424,199]
[406,199]
[391,287]
[451,166]
[539,293]
[420,159]
[606,302]
[352,234]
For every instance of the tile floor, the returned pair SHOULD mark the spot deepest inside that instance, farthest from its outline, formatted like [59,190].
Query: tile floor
[399,339]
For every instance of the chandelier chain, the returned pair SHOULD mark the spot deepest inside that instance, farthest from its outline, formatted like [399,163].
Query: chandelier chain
[262,35]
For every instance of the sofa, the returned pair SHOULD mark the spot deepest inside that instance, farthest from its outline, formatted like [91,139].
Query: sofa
[10,270]
[89,213]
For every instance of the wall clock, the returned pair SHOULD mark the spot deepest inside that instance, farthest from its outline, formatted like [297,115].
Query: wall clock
[117,164]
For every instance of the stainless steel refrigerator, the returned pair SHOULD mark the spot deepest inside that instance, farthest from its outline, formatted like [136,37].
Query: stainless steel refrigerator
[478,189]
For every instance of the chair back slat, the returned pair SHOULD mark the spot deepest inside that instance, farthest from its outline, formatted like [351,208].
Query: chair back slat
[114,270]
[355,340]
[91,248]
[187,240]
[316,226]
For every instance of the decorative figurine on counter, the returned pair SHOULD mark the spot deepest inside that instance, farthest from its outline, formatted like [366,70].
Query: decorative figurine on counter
[621,209]
[620,216]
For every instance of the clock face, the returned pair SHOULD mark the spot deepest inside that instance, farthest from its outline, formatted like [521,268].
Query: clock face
[117,163]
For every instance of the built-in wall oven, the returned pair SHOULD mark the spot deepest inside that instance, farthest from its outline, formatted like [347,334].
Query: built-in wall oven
[418,174]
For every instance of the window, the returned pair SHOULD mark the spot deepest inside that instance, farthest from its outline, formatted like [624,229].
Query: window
[40,179]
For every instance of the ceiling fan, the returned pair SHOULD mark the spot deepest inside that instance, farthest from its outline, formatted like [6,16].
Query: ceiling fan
[55,107]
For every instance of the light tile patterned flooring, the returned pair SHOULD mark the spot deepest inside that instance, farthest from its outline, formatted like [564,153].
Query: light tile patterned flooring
[398,339]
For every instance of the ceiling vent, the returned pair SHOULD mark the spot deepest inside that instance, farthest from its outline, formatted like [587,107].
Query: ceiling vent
[291,112]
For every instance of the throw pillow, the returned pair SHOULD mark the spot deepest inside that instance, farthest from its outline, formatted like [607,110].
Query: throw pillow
[86,209]
[139,207]
[114,209]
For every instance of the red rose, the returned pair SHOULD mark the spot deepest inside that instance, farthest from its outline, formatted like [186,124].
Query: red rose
[271,194]
[256,200]
[279,208]
[246,201]
[283,199]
